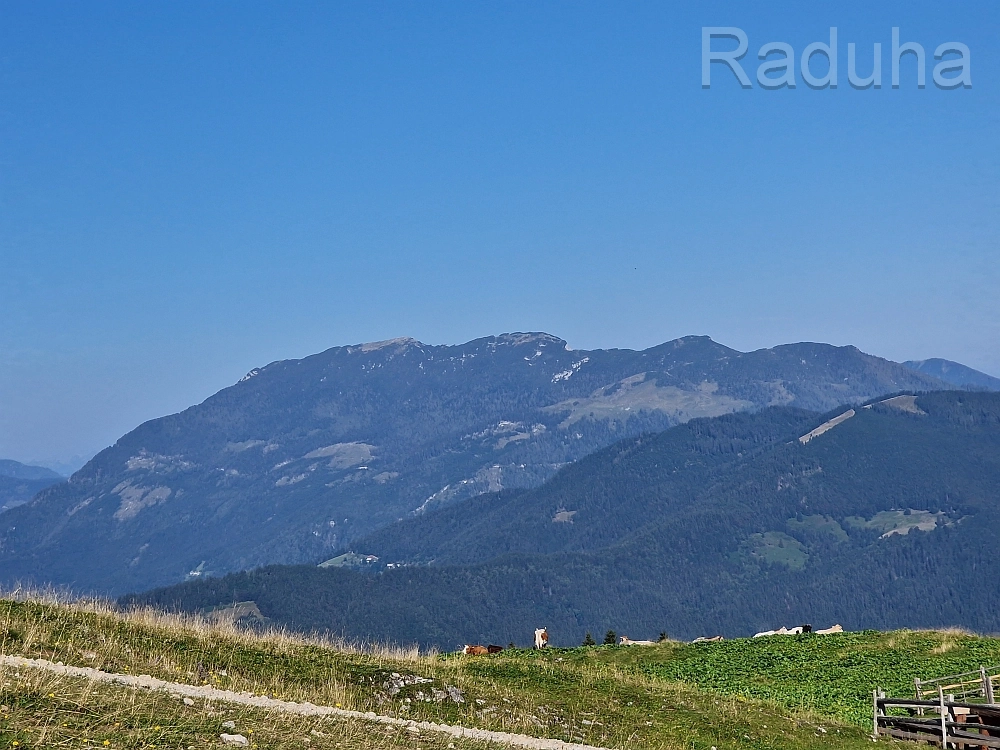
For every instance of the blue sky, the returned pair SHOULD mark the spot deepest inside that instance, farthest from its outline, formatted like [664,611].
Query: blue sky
[189,190]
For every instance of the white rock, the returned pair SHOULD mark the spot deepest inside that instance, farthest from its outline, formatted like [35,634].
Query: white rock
[235,739]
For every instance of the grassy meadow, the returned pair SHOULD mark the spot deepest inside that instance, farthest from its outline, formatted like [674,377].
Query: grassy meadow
[784,692]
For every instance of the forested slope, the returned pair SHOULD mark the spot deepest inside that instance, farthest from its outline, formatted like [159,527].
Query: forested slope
[727,525]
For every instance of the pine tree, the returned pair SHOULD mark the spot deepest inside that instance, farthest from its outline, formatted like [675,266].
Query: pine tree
[589,640]
[610,638]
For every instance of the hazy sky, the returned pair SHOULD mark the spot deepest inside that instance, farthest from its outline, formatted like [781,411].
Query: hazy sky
[189,190]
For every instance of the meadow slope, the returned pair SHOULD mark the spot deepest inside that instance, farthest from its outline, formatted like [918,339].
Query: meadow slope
[808,692]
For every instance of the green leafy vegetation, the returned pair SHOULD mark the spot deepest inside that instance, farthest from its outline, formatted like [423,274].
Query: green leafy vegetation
[833,675]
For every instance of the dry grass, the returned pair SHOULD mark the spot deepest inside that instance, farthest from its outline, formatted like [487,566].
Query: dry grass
[183,623]
[42,710]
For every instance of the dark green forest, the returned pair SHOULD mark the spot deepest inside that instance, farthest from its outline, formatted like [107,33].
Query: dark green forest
[722,526]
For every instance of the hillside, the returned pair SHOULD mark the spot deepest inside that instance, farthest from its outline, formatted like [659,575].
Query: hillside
[955,373]
[20,482]
[303,457]
[723,526]
[799,692]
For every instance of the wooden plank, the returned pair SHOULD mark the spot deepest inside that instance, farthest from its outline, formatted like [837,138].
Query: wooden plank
[992,709]
[915,721]
[976,741]
[901,735]
[933,737]
[906,703]
[929,731]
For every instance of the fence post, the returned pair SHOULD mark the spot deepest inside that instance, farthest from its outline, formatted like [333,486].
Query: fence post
[916,688]
[944,718]
[987,685]
[875,714]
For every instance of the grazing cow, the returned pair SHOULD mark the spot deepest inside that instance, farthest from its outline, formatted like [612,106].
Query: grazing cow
[494,649]
[827,631]
[626,641]
[541,638]
[705,639]
[475,650]
[779,631]
[797,630]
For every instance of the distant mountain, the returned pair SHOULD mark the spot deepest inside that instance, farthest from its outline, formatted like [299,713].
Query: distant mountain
[954,373]
[302,457]
[882,516]
[20,482]
[16,470]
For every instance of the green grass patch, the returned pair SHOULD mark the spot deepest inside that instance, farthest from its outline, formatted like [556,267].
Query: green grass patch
[832,675]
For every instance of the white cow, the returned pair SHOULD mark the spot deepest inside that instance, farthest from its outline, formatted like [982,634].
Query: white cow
[541,638]
[799,630]
[626,641]
[779,631]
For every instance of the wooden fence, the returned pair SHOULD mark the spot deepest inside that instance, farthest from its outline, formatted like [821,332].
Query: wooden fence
[972,686]
[947,721]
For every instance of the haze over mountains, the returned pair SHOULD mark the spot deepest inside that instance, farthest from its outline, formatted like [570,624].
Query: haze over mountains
[20,482]
[302,457]
[955,373]
[882,516]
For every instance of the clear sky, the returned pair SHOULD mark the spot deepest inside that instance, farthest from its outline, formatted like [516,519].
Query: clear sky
[189,190]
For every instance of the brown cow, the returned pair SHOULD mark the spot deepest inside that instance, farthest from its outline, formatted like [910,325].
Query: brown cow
[475,650]
[494,649]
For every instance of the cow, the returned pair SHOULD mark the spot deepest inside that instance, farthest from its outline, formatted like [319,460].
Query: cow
[494,649]
[706,639]
[779,631]
[626,641]
[828,631]
[475,650]
[797,630]
[541,638]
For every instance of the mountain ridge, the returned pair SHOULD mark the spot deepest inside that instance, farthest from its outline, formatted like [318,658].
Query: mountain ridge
[300,457]
[954,373]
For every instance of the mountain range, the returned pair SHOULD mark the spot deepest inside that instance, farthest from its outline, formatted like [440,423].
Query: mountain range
[20,482]
[301,458]
[881,516]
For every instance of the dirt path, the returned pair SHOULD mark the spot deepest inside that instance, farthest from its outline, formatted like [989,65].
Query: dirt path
[302,709]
